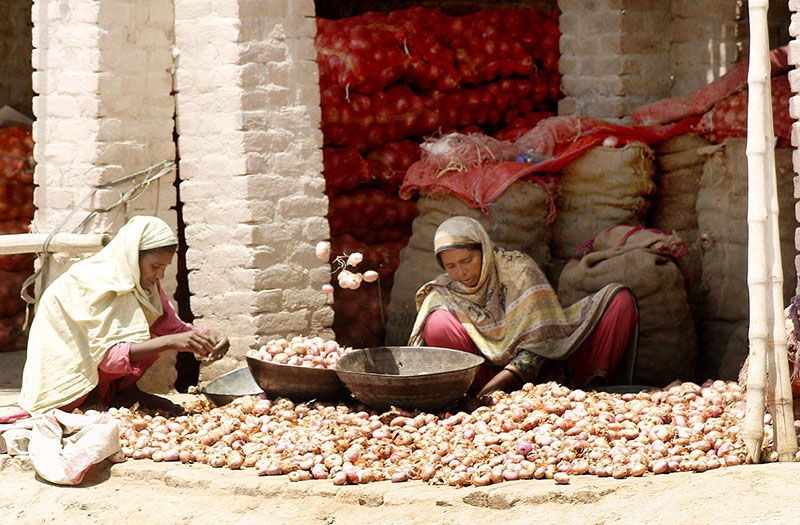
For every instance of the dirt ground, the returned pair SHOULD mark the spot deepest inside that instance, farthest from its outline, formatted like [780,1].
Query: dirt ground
[143,492]
[139,492]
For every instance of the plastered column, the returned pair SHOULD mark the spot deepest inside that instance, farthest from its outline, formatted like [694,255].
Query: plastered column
[251,170]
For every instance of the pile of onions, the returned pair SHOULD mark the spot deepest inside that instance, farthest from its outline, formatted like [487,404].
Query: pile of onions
[313,352]
[542,431]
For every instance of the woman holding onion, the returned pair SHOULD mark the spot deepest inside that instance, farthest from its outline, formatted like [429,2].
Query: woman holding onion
[104,322]
[498,304]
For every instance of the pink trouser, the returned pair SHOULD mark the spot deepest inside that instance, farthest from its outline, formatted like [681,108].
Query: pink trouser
[599,356]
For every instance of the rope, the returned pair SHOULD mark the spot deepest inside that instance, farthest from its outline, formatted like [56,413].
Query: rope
[151,174]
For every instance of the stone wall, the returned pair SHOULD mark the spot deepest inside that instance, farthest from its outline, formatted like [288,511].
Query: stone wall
[249,142]
[104,109]
[15,55]
[617,55]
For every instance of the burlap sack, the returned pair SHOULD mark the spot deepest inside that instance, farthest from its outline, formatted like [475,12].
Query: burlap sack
[679,167]
[722,219]
[644,261]
[724,348]
[518,220]
[602,188]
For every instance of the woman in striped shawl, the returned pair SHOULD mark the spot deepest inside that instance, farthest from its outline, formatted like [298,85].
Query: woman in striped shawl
[498,304]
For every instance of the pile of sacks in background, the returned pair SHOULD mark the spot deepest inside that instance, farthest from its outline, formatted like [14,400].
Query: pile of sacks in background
[683,174]
[16,214]
[703,194]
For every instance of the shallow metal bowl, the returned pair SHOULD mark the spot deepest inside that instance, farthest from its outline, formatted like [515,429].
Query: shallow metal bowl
[426,378]
[296,382]
[227,387]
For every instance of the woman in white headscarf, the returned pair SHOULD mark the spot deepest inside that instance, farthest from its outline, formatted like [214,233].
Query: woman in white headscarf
[104,322]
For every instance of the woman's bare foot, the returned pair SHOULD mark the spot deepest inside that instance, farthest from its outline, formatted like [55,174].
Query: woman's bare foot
[132,395]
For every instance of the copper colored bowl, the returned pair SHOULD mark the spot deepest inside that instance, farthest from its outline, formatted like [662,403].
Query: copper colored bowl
[426,378]
[296,382]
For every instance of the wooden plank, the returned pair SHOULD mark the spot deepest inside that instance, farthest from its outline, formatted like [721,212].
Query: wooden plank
[60,243]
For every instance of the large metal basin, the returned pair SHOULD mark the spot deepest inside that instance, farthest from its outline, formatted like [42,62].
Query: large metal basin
[425,378]
[227,387]
[297,382]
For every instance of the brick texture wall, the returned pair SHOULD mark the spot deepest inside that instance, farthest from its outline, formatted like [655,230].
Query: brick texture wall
[251,163]
[103,109]
[619,54]
[15,55]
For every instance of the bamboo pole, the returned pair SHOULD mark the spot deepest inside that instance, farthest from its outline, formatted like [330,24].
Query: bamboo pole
[780,391]
[764,274]
[60,243]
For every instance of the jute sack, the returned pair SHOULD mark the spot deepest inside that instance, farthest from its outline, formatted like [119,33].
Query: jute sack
[518,220]
[677,179]
[722,219]
[723,349]
[644,261]
[602,188]
[679,168]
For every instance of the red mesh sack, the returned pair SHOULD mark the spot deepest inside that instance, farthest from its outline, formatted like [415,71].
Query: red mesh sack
[16,153]
[728,118]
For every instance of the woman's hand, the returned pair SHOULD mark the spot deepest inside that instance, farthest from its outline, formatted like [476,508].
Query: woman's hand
[195,341]
[199,343]
[220,349]
[505,381]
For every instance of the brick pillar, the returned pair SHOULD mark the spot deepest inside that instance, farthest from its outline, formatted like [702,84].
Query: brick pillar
[104,109]
[708,37]
[612,56]
[794,111]
[617,55]
[251,169]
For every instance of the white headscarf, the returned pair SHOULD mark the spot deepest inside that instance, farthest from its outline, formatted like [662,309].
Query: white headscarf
[96,304]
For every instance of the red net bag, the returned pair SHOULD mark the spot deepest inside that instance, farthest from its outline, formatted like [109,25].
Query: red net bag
[12,337]
[344,169]
[728,118]
[390,163]
[371,215]
[16,200]
[16,153]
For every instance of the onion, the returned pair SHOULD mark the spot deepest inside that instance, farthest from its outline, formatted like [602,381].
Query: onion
[354,259]
[561,478]
[323,250]
[610,142]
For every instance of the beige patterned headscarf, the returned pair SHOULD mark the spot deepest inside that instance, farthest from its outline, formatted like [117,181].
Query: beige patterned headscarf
[512,307]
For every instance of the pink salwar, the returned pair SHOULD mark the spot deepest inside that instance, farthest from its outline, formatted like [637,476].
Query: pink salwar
[599,356]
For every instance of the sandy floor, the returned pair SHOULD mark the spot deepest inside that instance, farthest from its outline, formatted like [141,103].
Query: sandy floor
[141,492]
